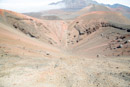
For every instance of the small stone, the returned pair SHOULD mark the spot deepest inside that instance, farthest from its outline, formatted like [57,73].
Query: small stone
[119,40]
[128,41]
[74,35]
[55,66]
[98,55]
[77,41]
[117,67]
[123,76]
[47,54]
[128,74]
[120,46]
[114,48]
[101,34]
[69,34]
[128,30]
[77,22]
[122,37]
[118,55]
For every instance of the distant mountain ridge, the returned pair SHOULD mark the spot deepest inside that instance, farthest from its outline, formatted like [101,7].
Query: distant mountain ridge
[70,13]
[118,5]
[83,3]
[76,5]
[125,10]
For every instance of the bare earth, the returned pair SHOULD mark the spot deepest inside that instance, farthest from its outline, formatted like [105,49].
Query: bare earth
[64,53]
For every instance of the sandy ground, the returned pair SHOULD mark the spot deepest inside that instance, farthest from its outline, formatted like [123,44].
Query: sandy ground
[24,64]
[65,71]
[31,62]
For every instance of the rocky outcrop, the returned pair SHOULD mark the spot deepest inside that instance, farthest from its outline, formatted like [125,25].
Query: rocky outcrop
[85,30]
[20,24]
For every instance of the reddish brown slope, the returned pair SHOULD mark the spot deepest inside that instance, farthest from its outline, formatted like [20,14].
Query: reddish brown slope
[39,29]
[86,32]
[29,62]
[83,34]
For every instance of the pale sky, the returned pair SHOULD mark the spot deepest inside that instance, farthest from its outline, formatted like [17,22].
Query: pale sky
[27,5]
[38,5]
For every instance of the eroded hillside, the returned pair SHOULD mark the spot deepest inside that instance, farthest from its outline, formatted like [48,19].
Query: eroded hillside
[93,50]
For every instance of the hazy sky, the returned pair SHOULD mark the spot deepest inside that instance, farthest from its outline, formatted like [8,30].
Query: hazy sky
[27,5]
[38,5]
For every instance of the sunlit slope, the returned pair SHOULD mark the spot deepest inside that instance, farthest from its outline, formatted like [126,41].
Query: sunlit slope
[86,32]
[47,32]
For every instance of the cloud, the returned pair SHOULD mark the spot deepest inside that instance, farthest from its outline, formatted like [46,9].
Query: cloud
[76,4]
[27,5]
[39,5]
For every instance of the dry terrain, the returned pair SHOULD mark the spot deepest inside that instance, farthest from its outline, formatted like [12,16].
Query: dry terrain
[92,50]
